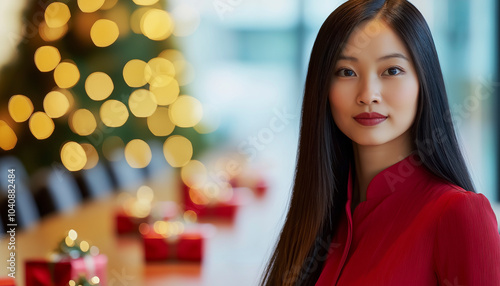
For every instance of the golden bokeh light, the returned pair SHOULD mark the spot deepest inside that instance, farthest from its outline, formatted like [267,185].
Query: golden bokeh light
[161,72]
[168,228]
[186,19]
[47,58]
[179,227]
[113,113]
[198,197]
[92,156]
[8,138]
[66,74]
[69,95]
[89,6]
[194,174]
[41,125]
[157,24]
[142,103]
[104,32]
[137,153]
[134,73]
[69,242]
[159,123]
[145,193]
[190,216]
[20,108]
[204,128]
[112,148]
[49,34]
[55,104]
[57,14]
[177,150]
[144,228]
[160,227]
[167,94]
[183,69]
[95,280]
[73,156]
[99,86]
[172,55]
[72,234]
[186,111]
[82,122]
[137,208]
[84,246]
[135,19]
[145,2]
[108,4]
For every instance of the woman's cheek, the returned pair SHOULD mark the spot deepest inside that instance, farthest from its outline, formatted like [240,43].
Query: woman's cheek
[401,94]
[340,96]
[402,102]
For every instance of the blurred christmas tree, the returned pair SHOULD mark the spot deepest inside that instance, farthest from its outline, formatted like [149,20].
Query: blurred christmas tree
[91,76]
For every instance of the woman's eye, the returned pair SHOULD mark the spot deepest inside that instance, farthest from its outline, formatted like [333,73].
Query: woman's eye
[393,71]
[346,73]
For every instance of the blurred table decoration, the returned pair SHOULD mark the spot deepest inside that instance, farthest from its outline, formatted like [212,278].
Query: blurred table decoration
[71,261]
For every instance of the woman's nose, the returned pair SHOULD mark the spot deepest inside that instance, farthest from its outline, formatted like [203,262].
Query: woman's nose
[369,92]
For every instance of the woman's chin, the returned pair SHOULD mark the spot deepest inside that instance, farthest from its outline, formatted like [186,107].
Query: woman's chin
[368,140]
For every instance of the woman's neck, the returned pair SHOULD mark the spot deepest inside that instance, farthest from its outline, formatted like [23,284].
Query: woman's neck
[370,160]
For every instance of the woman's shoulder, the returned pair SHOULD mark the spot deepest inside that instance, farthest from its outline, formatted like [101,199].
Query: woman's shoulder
[467,241]
[453,200]
[464,209]
[450,195]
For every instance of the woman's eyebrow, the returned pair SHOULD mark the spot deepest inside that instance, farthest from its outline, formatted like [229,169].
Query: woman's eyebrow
[393,55]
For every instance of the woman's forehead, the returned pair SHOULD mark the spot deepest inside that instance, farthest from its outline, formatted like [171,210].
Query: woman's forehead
[373,39]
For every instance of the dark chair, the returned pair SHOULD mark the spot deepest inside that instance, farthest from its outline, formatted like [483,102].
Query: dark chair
[95,182]
[55,189]
[158,167]
[26,211]
[126,177]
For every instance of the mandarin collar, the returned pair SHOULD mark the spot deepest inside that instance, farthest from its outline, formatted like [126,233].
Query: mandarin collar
[399,176]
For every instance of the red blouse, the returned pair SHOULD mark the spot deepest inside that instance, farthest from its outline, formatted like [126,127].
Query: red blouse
[414,229]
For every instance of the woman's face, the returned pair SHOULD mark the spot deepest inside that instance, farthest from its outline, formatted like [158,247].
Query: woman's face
[374,74]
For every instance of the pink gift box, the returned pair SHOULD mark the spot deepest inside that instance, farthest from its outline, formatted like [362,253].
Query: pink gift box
[42,272]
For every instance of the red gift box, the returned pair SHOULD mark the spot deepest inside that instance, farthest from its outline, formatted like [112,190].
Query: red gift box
[261,187]
[7,281]
[126,223]
[224,209]
[41,272]
[187,246]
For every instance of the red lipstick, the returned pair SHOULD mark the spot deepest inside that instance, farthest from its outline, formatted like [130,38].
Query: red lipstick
[370,118]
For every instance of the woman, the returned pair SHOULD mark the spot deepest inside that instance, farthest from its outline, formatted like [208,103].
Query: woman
[382,195]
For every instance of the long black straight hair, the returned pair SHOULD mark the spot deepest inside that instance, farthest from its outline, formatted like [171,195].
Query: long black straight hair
[325,153]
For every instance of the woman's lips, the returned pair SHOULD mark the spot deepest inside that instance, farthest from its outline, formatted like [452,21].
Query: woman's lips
[370,119]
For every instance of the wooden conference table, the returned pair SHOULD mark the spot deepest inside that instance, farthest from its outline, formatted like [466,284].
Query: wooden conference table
[235,254]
